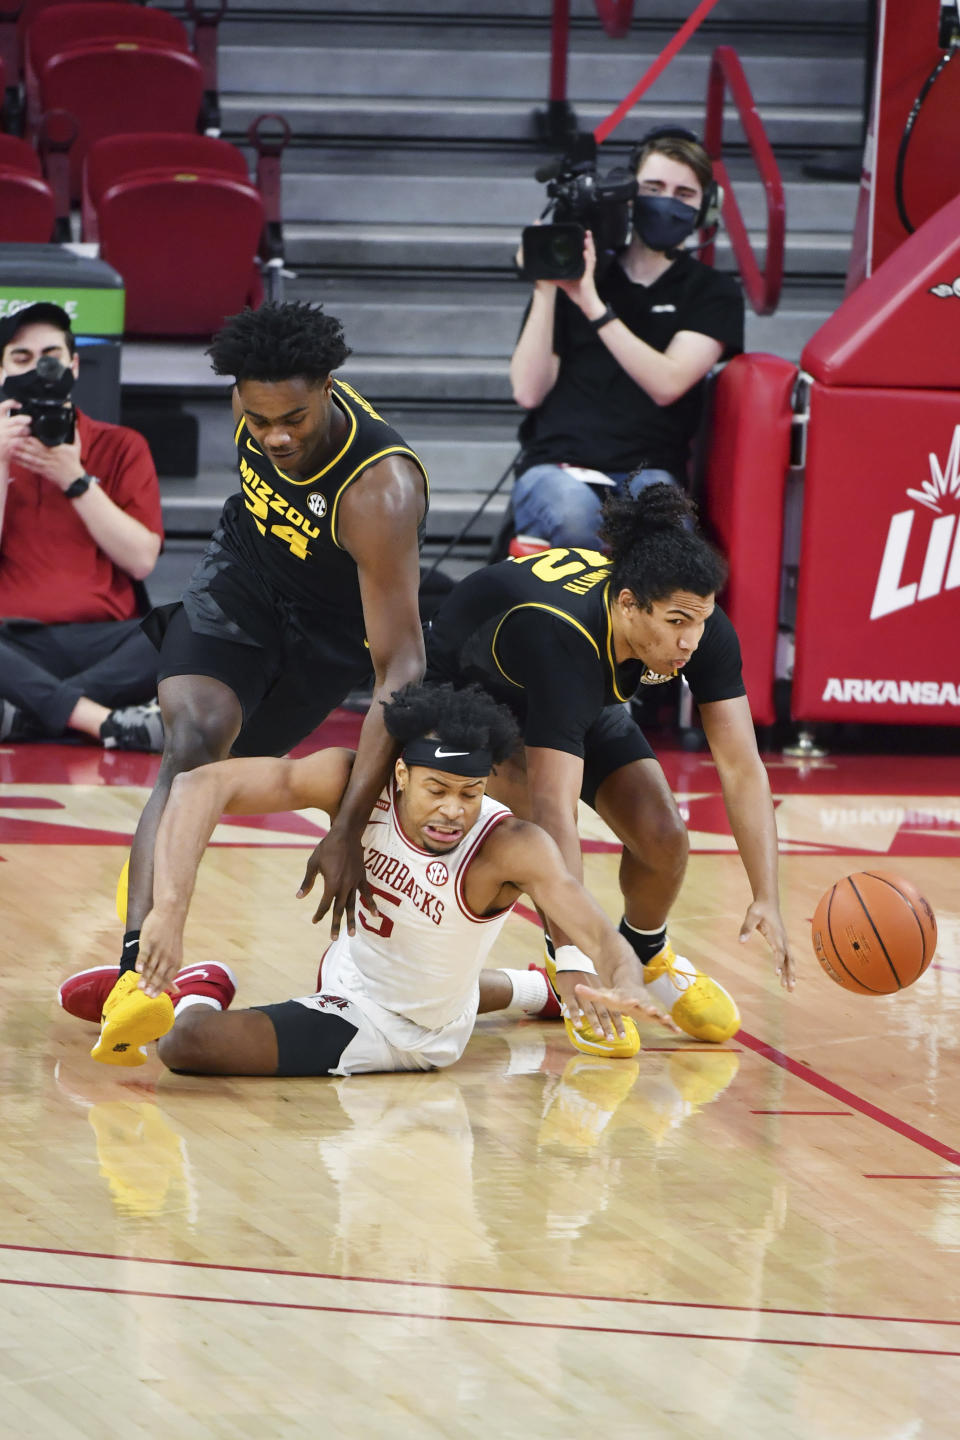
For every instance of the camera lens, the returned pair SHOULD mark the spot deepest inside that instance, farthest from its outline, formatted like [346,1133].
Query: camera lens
[562,251]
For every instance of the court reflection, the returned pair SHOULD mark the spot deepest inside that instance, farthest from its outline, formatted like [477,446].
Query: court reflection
[141,1156]
[403,1172]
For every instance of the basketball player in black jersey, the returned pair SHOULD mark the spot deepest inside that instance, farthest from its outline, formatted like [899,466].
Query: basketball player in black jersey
[309,582]
[564,637]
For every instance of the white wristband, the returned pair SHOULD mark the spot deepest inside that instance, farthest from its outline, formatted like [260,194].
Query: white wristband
[571,957]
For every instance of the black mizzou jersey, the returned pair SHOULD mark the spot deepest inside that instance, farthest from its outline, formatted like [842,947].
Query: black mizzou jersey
[287,527]
[536,632]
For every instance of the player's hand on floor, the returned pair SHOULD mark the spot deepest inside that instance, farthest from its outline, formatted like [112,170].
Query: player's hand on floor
[585,1007]
[339,860]
[768,920]
[161,953]
[618,1003]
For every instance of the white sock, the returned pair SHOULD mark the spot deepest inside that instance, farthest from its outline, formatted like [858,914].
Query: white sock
[186,1000]
[667,988]
[530,992]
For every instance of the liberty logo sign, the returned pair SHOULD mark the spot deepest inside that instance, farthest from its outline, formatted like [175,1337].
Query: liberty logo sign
[941,564]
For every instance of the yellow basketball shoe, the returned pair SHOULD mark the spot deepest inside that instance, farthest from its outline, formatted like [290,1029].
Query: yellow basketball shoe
[585,1038]
[131,1018]
[584,1101]
[699,1005]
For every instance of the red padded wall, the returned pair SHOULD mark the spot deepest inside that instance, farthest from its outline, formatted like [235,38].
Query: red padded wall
[743,501]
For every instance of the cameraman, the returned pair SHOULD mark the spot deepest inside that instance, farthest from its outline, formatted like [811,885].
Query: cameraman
[610,366]
[80,526]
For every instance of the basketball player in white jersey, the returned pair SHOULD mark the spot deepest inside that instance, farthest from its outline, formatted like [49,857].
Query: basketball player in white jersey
[402,989]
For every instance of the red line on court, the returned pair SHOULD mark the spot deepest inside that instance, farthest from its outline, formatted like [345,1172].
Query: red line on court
[801,1112]
[910,1177]
[526,913]
[829,1087]
[469,1289]
[476,1319]
[847,1097]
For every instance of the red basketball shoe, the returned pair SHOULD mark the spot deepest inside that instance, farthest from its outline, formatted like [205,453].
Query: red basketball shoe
[552,1009]
[210,979]
[83,994]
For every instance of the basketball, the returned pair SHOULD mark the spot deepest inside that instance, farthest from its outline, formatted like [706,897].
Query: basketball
[874,933]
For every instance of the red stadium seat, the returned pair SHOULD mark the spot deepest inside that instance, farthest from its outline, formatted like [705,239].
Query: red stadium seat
[185,245]
[30,9]
[116,87]
[27,209]
[64,27]
[118,156]
[19,155]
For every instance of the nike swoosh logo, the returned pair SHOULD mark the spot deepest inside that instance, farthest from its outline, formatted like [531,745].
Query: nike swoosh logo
[251,446]
[439,754]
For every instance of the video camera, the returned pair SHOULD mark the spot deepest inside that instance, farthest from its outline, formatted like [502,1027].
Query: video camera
[580,199]
[42,394]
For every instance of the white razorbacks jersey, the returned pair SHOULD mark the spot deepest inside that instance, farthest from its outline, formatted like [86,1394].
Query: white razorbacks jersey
[421,957]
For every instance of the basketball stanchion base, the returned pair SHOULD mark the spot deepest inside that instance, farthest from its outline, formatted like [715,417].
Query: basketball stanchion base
[804,747]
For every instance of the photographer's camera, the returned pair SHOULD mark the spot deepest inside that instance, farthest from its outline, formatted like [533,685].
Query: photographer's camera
[580,200]
[43,394]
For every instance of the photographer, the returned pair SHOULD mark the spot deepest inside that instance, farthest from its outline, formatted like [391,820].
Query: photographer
[80,526]
[610,365]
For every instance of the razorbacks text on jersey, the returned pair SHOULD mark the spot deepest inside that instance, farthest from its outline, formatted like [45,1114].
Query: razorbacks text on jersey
[287,527]
[421,957]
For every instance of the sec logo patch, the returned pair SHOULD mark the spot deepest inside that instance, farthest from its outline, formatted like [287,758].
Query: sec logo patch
[317,504]
[437,873]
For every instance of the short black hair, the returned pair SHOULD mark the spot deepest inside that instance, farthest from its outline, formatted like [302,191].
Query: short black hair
[656,548]
[41,312]
[467,719]
[294,340]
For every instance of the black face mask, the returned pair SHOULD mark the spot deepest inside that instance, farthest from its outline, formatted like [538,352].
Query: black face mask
[662,222]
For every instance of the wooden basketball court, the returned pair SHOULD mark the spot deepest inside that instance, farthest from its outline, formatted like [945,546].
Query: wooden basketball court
[755,1241]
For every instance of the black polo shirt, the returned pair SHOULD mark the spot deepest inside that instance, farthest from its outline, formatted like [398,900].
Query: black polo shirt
[595,415]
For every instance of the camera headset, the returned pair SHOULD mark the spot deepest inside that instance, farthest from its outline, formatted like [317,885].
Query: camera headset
[708,215]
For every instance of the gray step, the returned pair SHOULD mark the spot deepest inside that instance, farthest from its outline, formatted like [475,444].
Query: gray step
[491,247]
[474,378]
[423,322]
[325,119]
[605,74]
[484,193]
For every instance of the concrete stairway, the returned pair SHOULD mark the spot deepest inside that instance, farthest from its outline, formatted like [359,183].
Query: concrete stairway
[411,174]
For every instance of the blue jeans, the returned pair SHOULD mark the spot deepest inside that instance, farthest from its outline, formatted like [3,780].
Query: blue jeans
[550,503]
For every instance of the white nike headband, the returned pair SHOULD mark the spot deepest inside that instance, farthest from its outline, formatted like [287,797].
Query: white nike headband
[438,756]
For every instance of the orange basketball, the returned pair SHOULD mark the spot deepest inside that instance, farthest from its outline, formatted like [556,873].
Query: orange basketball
[874,933]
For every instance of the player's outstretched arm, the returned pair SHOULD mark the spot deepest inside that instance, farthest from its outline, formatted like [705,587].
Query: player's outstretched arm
[534,863]
[378,526]
[728,727]
[197,800]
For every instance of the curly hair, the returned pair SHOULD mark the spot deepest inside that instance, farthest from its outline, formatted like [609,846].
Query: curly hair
[655,547]
[279,342]
[467,719]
